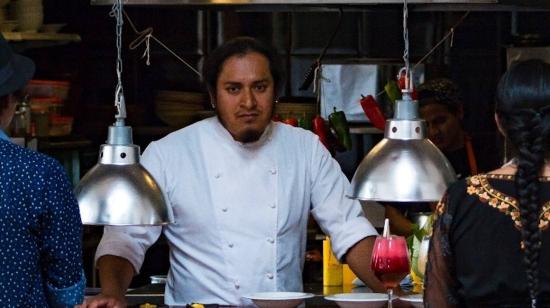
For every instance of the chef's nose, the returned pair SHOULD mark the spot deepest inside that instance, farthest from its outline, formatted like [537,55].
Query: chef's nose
[248,99]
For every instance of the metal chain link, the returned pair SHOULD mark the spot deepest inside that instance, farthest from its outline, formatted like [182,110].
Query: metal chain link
[116,12]
[406,41]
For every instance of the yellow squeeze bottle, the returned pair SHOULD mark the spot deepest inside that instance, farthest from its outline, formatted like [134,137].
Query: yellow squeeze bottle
[332,268]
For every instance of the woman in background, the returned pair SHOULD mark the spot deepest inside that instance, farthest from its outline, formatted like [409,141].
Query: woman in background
[491,244]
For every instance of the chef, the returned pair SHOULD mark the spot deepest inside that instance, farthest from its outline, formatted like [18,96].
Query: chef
[241,188]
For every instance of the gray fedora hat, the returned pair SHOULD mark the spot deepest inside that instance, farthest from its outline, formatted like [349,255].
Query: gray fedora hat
[15,70]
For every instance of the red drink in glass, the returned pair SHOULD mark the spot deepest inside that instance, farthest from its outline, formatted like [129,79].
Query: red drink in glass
[390,261]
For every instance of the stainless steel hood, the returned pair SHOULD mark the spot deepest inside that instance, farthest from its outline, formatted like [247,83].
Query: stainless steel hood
[292,5]
[287,2]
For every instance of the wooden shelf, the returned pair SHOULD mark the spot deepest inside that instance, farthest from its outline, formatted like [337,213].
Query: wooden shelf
[39,36]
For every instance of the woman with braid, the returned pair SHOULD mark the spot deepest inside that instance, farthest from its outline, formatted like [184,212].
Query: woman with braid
[491,243]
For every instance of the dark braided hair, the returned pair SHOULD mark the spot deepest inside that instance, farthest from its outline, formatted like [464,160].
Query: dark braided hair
[523,109]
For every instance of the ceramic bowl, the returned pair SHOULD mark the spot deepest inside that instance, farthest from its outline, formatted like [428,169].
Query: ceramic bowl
[278,299]
[359,300]
[51,28]
[8,26]
[415,300]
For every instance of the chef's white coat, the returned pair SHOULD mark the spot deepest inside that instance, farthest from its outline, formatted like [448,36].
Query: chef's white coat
[240,211]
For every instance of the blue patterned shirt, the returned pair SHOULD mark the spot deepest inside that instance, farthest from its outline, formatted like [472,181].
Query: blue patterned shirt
[3,135]
[40,232]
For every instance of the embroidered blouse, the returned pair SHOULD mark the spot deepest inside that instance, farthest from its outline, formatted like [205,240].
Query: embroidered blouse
[475,257]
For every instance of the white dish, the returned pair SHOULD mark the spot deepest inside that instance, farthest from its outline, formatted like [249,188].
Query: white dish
[51,28]
[278,299]
[416,300]
[359,300]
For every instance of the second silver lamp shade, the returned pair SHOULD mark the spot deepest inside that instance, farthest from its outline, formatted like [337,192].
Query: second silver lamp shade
[118,190]
[404,166]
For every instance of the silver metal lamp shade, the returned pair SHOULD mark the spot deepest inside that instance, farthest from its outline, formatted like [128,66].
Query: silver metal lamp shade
[404,166]
[118,190]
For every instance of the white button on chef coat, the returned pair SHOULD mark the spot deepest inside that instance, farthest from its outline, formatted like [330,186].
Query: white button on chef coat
[185,164]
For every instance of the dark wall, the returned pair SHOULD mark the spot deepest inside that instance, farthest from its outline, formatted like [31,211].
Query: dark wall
[475,60]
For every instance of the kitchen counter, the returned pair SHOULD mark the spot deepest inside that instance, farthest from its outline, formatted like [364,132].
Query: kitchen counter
[154,294]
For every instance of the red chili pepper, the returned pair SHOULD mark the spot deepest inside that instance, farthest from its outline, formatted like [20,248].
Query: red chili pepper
[291,121]
[402,81]
[373,112]
[320,129]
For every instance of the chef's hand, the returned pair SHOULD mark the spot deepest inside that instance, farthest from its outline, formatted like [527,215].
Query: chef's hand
[103,301]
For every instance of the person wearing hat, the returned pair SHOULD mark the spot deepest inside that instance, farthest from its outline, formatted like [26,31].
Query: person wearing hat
[41,230]
[15,72]
[442,107]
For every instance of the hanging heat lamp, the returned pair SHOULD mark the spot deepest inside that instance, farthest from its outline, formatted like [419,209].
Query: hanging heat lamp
[118,190]
[404,166]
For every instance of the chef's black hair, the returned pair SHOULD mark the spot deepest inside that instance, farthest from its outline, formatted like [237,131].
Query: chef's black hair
[240,46]
[523,108]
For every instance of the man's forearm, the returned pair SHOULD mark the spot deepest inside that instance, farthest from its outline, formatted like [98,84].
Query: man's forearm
[115,275]
[358,258]
[399,224]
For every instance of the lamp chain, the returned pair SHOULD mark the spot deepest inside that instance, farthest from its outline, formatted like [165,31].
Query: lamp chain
[406,49]
[116,12]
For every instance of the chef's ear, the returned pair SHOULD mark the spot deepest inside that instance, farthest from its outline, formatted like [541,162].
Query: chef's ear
[212,99]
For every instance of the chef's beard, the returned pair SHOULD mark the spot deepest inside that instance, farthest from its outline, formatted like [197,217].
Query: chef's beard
[247,136]
[251,136]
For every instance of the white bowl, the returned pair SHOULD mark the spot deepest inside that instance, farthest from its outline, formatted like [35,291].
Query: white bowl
[359,300]
[51,28]
[415,300]
[30,22]
[28,2]
[278,299]
[28,8]
[8,25]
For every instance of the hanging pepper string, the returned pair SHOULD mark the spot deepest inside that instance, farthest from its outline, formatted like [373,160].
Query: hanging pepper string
[449,33]
[145,36]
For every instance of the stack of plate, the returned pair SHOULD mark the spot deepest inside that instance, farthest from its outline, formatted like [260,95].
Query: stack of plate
[179,109]
[29,15]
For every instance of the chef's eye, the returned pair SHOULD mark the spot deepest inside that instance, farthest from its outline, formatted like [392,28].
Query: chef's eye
[260,87]
[232,89]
